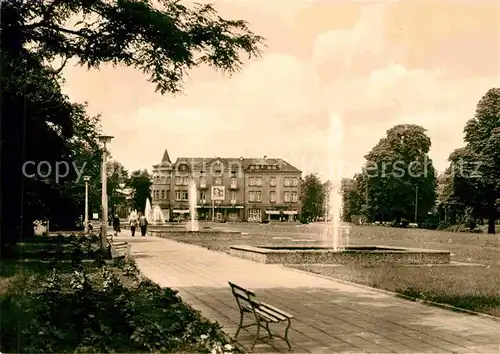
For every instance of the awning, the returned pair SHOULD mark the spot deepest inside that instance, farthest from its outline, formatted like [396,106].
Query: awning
[181,211]
[290,212]
[272,212]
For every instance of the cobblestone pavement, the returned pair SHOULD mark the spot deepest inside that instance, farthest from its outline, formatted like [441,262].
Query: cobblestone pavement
[330,316]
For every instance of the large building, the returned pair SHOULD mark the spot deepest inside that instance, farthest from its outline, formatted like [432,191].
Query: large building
[227,189]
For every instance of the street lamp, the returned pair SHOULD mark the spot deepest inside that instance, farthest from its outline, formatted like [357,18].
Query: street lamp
[86,227]
[104,139]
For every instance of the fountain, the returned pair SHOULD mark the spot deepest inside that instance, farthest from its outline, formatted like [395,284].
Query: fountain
[193,225]
[336,235]
[147,211]
[157,217]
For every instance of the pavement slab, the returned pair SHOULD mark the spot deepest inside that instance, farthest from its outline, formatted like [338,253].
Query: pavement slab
[330,316]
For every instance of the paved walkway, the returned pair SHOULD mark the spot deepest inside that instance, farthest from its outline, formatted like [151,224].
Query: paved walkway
[330,316]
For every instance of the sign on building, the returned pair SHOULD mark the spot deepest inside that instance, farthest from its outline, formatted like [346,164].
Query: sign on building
[218,192]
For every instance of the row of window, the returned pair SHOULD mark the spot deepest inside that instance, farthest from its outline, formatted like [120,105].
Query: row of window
[253,181]
[253,196]
[256,196]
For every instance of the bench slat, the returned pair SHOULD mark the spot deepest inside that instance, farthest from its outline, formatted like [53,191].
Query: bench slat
[234,286]
[266,316]
[271,313]
[277,310]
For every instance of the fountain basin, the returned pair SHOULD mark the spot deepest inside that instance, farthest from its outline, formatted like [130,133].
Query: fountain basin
[350,255]
[180,232]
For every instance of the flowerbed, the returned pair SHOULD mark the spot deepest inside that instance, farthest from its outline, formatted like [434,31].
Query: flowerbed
[96,306]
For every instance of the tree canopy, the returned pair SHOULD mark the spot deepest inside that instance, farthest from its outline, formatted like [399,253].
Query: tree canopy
[312,198]
[475,168]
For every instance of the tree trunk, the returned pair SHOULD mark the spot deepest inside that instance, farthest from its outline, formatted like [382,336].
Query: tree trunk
[12,136]
[491,218]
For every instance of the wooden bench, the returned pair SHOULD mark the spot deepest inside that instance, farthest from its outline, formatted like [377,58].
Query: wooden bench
[119,249]
[263,314]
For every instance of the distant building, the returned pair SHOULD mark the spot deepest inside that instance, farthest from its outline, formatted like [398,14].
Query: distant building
[227,189]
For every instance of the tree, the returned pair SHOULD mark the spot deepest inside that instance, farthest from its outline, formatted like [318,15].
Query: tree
[164,41]
[476,167]
[117,177]
[399,174]
[353,196]
[140,182]
[86,156]
[312,198]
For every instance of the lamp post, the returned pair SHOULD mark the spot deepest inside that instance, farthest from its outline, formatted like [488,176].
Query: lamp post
[86,219]
[104,139]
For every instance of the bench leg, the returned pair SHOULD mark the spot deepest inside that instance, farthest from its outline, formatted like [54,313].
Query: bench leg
[256,336]
[268,330]
[239,326]
[286,334]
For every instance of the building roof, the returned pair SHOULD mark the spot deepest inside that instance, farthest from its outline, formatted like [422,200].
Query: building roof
[165,157]
[207,162]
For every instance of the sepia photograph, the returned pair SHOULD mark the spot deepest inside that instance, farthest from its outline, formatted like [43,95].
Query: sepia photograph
[250,176]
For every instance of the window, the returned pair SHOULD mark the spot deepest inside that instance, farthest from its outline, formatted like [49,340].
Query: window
[181,195]
[295,182]
[287,197]
[295,197]
[233,196]
[272,197]
[233,181]
[178,180]
[256,181]
[218,181]
[203,181]
[203,195]
[272,181]
[287,182]
[255,196]
[254,215]
[185,181]
[162,194]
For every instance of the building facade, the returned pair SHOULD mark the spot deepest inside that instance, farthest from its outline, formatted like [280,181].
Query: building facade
[227,189]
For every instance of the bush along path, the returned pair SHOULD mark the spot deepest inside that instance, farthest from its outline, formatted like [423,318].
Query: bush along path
[97,306]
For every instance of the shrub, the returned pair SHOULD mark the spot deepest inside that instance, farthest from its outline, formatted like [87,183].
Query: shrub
[96,308]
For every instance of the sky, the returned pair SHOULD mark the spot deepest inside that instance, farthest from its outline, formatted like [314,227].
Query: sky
[370,64]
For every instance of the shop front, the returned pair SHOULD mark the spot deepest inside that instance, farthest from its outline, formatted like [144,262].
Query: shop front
[290,215]
[180,215]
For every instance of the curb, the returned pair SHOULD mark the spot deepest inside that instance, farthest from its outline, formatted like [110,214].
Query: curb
[401,296]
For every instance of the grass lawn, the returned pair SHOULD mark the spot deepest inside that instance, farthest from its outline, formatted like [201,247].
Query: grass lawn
[474,288]
[81,302]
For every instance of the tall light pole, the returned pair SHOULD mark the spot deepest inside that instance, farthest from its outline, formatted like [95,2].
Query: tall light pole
[416,203]
[104,139]
[86,219]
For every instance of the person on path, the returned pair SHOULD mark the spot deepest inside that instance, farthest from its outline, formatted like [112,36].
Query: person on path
[116,225]
[143,224]
[133,224]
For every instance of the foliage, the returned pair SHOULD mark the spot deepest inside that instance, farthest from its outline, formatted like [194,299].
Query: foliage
[394,169]
[98,308]
[140,183]
[117,178]
[163,39]
[476,167]
[312,198]
[353,196]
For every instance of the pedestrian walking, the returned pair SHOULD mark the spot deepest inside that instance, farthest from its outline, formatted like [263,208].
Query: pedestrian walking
[133,224]
[116,225]
[143,224]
